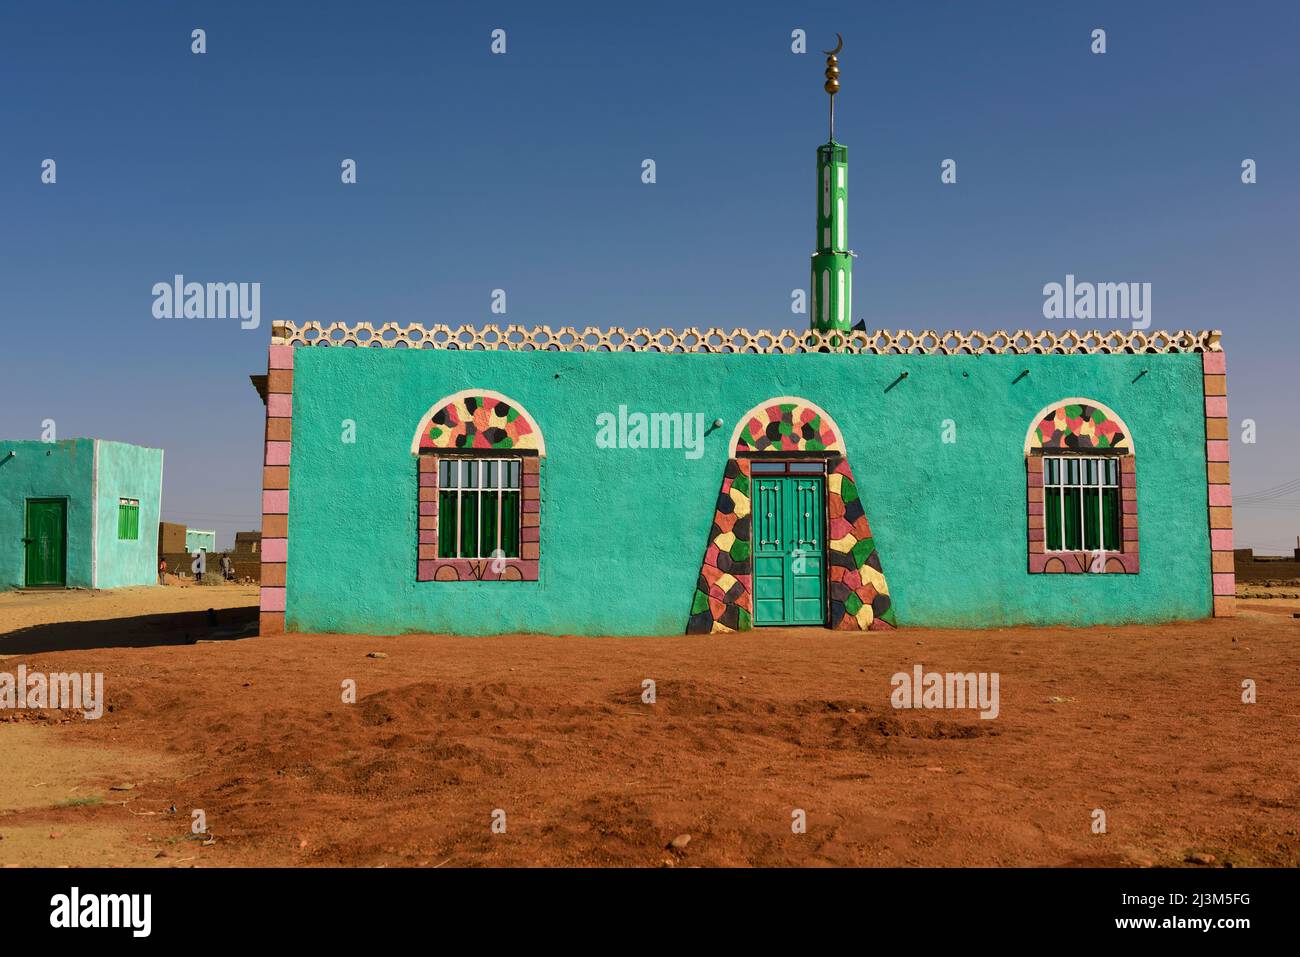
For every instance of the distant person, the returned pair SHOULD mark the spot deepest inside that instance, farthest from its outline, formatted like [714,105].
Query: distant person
[227,568]
[162,571]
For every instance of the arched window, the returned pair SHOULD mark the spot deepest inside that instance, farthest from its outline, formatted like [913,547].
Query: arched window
[1082,490]
[479,456]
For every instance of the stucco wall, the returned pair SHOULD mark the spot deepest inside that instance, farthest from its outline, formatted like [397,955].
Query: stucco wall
[128,471]
[623,531]
[45,470]
[199,540]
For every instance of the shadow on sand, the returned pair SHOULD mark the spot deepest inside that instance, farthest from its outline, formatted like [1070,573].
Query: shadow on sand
[142,631]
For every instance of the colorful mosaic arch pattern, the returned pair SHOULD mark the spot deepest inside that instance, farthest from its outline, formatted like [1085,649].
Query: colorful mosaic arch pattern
[1079,427]
[787,427]
[724,600]
[859,593]
[479,422]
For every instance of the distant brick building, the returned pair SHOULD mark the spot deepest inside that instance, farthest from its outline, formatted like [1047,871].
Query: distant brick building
[171,539]
[247,555]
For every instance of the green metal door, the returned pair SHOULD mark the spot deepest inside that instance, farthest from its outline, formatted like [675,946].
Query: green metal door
[789,553]
[46,541]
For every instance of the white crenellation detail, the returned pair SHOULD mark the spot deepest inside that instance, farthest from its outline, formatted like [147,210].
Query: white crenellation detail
[393,335]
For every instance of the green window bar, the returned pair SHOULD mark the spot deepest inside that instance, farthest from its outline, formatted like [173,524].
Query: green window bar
[128,519]
[1052,511]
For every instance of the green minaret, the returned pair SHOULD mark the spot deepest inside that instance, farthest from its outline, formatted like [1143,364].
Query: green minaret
[832,263]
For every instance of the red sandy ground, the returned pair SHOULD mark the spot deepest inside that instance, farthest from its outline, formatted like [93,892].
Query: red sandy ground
[1145,723]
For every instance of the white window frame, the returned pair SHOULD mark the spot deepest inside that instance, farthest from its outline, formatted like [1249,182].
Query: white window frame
[1061,464]
[509,478]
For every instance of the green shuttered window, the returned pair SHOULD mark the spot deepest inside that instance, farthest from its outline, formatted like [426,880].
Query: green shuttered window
[478,508]
[128,519]
[1081,504]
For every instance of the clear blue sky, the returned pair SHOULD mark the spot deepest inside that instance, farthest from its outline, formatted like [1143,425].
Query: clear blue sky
[522,172]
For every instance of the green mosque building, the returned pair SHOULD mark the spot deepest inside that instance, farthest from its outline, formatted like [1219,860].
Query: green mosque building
[487,479]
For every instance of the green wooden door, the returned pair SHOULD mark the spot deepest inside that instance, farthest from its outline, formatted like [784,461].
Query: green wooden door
[789,552]
[46,540]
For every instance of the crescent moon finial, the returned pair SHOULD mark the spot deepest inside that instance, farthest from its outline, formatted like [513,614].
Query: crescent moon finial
[832,84]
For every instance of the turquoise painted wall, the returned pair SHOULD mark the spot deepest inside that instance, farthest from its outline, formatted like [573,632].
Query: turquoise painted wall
[45,470]
[199,540]
[128,471]
[623,531]
[69,470]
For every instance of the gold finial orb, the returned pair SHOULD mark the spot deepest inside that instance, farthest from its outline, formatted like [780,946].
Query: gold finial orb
[832,67]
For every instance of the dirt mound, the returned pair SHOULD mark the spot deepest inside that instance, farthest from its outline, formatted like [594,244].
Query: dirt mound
[550,739]
[807,722]
[433,703]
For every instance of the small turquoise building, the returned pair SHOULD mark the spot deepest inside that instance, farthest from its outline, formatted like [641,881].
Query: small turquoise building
[80,513]
[200,540]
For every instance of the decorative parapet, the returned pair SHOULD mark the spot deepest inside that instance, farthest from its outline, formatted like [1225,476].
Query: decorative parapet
[393,335]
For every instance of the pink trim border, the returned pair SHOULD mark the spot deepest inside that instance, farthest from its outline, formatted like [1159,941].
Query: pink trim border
[1223,584]
[274,599]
